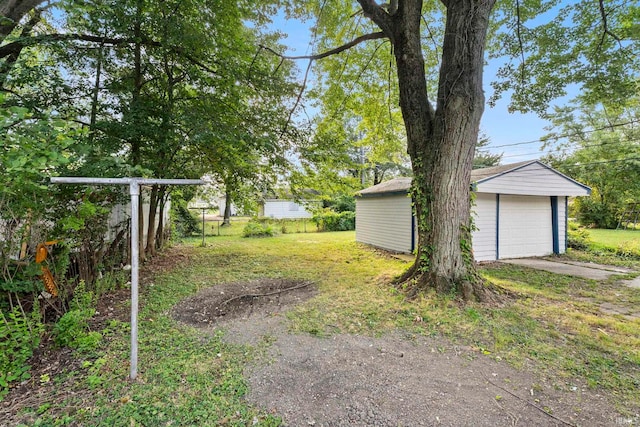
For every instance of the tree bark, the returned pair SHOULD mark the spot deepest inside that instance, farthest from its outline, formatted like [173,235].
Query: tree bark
[12,57]
[160,232]
[226,220]
[441,140]
[13,11]
[151,226]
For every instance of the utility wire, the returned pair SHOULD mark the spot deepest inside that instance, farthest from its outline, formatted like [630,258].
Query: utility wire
[566,135]
[628,159]
[551,151]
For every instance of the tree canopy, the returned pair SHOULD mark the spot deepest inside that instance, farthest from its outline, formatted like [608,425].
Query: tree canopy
[429,58]
[600,148]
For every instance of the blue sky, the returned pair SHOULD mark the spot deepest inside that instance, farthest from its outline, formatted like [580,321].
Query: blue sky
[501,126]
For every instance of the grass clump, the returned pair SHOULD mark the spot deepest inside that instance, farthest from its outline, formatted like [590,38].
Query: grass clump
[257,229]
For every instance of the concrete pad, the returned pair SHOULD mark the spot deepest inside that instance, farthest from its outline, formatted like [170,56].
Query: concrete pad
[633,283]
[404,257]
[562,268]
[615,268]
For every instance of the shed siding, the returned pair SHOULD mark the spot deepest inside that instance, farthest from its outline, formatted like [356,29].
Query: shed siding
[525,226]
[484,237]
[534,180]
[285,209]
[385,222]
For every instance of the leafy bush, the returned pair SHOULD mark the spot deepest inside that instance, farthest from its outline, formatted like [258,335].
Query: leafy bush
[628,250]
[593,212]
[334,221]
[256,229]
[578,237]
[19,336]
[184,222]
[72,329]
[285,225]
[342,203]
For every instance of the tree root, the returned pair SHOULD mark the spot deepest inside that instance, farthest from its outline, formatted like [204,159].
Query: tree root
[474,289]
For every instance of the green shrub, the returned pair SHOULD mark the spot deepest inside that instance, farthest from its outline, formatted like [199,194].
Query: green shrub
[342,203]
[578,237]
[184,222]
[19,336]
[256,229]
[72,329]
[628,250]
[591,211]
[334,221]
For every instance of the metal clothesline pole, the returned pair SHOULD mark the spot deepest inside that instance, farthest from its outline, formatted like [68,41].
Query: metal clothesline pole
[134,192]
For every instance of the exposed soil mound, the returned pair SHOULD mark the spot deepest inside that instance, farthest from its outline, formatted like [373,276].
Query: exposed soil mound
[240,300]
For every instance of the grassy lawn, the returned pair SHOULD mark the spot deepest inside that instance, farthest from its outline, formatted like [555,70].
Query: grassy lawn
[191,377]
[615,238]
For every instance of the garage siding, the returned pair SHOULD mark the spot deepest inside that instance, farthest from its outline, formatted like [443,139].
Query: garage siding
[535,180]
[285,209]
[385,222]
[484,237]
[525,226]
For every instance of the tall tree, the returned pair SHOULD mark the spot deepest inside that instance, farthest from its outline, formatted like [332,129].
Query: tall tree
[601,148]
[442,115]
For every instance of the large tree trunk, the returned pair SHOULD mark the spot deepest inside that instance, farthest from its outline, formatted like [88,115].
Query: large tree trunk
[441,142]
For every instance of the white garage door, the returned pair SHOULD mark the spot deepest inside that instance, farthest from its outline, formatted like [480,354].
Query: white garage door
[525,227]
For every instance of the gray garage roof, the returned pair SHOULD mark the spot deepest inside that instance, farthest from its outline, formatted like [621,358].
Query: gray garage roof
[393,186]
[402,185]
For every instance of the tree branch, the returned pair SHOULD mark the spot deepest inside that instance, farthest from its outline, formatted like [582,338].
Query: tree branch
[302,88]
[605,25]
[279,291]
[380,16]
[23,42]
[311,58]
[11,58]
[352,43]
[16,46]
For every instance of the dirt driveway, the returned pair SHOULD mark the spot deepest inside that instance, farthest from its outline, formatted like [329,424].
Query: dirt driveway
[393,380]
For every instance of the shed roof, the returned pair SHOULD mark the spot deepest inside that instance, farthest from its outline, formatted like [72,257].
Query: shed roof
[403,184]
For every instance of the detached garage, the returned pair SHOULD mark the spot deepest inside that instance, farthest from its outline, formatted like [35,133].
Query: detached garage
[520,211]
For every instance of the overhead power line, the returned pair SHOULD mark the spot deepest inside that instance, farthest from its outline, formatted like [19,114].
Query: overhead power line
[566,135]
[628,159]
[552,151]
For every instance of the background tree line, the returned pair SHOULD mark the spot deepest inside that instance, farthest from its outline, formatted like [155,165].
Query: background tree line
[123,88]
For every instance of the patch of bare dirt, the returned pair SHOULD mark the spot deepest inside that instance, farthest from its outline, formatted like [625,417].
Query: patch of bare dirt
[393,380]
[262,298]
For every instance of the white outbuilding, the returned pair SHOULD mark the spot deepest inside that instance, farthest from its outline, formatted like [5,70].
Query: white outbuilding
[520,211]
[286,208]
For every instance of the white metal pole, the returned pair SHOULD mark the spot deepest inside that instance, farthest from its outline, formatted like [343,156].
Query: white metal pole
[134,191]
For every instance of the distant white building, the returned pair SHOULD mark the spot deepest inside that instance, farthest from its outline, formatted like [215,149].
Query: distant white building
[286,208]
